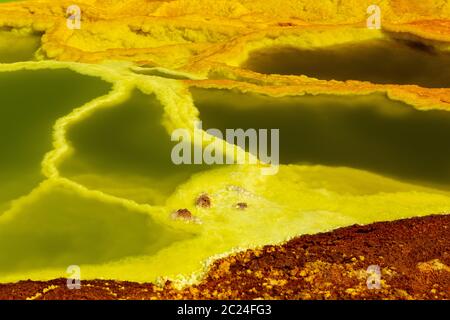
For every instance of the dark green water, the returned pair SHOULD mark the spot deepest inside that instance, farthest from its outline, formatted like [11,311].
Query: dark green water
[16,46]
[368,132]
[30,104]
[382,61]
[62,228]
[127,147]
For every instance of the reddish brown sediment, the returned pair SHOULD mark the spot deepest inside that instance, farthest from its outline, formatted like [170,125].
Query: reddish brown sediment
[182,214]
[203,201]
[413,255]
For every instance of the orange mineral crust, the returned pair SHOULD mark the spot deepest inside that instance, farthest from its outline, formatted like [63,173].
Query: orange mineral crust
[214,39]
[146,31]
[413,256]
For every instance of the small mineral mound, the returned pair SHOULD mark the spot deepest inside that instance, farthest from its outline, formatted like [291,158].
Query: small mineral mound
[203,201]
[182,214]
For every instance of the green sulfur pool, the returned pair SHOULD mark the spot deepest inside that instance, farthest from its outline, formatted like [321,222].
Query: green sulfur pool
[378,61]
[370,132]
[31,102]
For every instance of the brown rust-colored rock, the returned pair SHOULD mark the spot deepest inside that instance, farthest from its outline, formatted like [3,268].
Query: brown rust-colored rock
[182,214]
[241,205]
[413,256]
[203,201]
